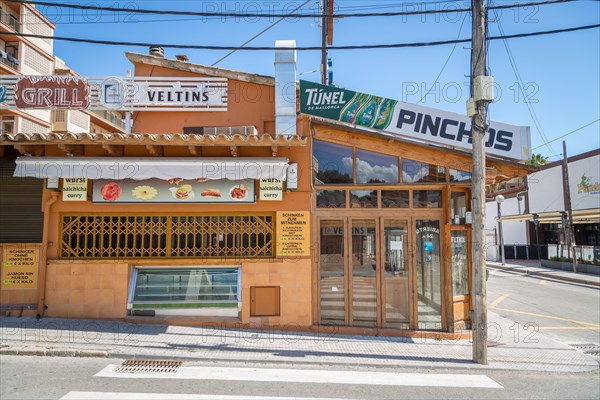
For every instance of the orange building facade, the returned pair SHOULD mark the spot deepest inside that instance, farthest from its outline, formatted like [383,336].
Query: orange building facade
[238,242]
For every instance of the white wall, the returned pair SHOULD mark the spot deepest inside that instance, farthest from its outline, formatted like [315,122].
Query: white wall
[546,191]
[514,232]
[546,187]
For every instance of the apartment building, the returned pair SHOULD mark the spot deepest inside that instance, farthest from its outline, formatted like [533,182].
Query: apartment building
[33,56]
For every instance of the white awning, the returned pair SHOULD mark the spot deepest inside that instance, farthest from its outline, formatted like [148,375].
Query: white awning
[234,168]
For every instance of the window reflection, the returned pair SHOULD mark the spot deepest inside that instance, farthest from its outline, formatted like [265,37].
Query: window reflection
[459,176]
[394,199]
[332,163]
[375,167]
[331,199]
[417,172]
[427,199]
[363,199]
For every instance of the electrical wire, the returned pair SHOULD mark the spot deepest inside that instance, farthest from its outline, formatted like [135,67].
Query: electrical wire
[515,69]
[278,15]
[302,48]
[567,134]
[446,63]
[258,34]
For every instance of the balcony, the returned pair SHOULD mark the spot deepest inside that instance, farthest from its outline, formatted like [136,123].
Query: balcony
[7,56]
[110,117]
[11,21]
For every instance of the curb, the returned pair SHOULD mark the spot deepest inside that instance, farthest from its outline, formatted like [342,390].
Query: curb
[546,275]
[52,352]
[58,352]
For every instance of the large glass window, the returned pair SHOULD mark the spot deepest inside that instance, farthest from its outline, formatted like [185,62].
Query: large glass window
[429,287]
[418,172]
[331,266]
[332,163]
[165,290]
[458,208]
[375,167]
[460,263]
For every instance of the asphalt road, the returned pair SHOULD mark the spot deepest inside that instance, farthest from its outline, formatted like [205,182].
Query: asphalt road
[25,377]
[568,312]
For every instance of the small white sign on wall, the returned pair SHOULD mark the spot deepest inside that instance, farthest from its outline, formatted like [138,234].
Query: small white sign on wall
[75,189]
[271,189]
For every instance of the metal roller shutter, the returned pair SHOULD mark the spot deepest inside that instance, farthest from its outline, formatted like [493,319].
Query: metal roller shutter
[21,217]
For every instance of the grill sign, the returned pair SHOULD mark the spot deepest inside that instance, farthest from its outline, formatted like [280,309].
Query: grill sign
[52,92]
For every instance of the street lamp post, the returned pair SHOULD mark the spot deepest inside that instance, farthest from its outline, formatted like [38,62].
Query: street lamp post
[499,200]
[536,222]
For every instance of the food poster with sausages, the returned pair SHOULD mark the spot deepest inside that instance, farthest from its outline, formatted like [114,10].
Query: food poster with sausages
[175,190]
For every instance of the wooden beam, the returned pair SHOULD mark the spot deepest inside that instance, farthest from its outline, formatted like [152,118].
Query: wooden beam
[195,150]
[114,150]
[32,150]
[154,150]
[72,149]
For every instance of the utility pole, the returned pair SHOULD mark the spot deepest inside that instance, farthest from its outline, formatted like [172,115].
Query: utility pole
[478,131]
[569,230]
[324,44]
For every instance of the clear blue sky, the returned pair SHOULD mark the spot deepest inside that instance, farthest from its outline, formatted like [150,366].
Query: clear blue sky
[561,72]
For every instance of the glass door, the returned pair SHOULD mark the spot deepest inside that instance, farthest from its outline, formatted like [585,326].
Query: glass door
[396,305]
[331,275]
[364,273]
[429,290]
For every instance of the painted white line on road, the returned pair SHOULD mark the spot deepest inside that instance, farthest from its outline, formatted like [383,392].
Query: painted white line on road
[313,376]
[174,396]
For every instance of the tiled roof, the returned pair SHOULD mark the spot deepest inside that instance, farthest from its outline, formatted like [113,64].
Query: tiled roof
[163,139]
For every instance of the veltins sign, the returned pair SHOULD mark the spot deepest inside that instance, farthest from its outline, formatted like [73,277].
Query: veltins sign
[410,120]
[115,93]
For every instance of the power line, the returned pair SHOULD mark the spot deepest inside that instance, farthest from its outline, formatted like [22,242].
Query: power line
[304,48]
[530,108]
[279,15]
[258,34]
[446,63]
[567,134]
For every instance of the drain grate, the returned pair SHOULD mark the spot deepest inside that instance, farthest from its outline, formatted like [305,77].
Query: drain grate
[591,349]
[148,366]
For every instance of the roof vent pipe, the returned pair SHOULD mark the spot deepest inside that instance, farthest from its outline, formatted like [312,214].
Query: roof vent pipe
[157,51]
[285,87]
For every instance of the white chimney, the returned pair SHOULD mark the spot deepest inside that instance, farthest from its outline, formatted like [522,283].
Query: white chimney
[285,88]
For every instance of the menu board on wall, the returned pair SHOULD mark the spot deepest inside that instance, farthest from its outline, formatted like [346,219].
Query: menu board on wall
[271,189]
[75,189]
[20,266]
[293,233]
[175,190]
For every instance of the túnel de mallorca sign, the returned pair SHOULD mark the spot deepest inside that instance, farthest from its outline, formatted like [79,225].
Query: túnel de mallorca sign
[410,120]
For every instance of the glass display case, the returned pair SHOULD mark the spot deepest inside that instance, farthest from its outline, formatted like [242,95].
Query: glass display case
[186,291]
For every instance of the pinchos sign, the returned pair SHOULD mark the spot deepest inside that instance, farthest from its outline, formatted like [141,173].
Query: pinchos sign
[175,190]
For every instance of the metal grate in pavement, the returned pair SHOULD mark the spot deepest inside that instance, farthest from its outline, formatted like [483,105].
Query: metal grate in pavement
[148,366]
[591,349]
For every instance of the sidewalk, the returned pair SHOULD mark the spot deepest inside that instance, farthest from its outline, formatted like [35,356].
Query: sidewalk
[533,268]
[87,338]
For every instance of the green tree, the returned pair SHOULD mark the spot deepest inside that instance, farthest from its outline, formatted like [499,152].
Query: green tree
[537,160]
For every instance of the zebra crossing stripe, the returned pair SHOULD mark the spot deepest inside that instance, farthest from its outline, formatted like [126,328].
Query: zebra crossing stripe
[174,396]
[314,376]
